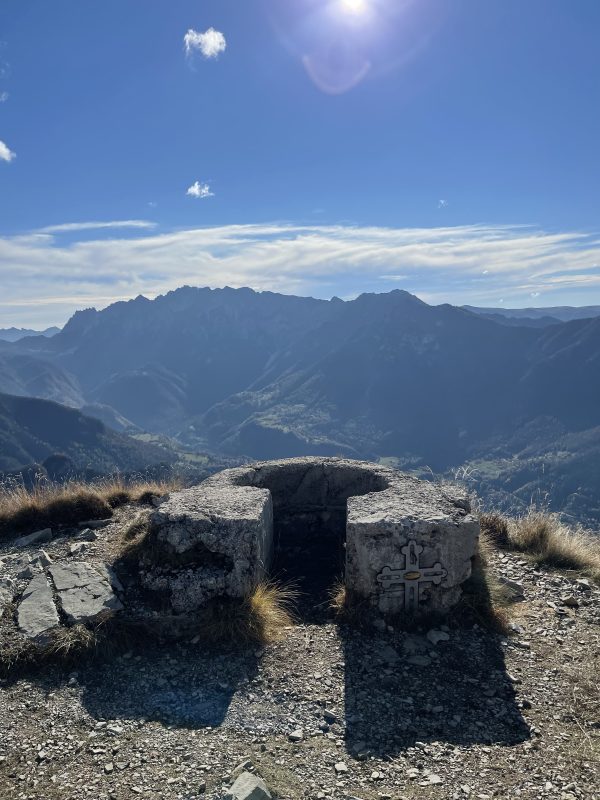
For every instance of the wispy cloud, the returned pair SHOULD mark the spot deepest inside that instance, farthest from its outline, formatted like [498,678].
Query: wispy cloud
[45,278]
[71,227]
[3,97]
[210,44]
[199,190]
[6,154]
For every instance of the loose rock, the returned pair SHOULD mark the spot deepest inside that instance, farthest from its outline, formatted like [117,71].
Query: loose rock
[248,787]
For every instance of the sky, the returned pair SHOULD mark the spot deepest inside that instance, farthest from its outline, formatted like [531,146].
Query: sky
[322,147]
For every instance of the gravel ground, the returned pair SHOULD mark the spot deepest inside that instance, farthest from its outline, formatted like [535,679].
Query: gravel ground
[325,712]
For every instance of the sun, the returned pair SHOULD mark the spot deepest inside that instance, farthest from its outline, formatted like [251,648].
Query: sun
[354,6]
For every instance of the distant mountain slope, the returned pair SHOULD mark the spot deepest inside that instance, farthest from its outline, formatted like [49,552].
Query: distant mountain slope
[14,334]
[215,342]
[389,374]
[31,430]
[382,376]
[30,376]
[549,315]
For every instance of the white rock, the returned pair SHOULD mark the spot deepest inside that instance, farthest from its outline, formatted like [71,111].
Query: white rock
[435,636]
[248,787]
[516,589]
[88,535]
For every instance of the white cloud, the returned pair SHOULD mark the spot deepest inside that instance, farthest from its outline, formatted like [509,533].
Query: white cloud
[3,97]
[199,190]
[6,154]
[45,278]
[210,44]
[69,227]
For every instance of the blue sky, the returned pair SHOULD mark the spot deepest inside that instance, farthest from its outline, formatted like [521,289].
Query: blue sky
[336,146]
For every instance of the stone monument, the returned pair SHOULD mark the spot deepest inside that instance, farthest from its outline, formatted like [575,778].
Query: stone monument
[403,544]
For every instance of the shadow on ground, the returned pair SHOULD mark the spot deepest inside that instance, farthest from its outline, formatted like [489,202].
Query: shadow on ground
[388,691]
[176,686]
[401,692]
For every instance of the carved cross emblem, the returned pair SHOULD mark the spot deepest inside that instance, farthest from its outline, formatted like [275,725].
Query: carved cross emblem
[411,576]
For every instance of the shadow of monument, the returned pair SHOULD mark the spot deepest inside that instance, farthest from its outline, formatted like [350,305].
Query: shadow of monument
[180,686]
[401,689]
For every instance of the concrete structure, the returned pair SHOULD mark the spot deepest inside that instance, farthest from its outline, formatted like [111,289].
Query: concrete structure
[402,543]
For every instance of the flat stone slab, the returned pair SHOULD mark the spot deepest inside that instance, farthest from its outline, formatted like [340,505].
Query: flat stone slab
[37,613]
[37,537]
[83,592]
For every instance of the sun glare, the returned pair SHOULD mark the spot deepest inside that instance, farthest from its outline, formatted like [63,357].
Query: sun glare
[354,6]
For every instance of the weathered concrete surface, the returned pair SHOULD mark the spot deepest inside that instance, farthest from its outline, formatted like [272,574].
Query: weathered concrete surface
[83,592]
[219,534]
[37,613]
[415,539]
[409,543]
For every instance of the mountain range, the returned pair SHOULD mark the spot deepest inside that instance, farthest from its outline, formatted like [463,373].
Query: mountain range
[511,401]
[14,334]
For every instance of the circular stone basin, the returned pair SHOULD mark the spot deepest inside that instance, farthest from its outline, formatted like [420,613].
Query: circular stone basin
[404,544]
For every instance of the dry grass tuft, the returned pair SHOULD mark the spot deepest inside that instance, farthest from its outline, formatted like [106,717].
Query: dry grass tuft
[259,618]
[67,643]
[67,646]
[349,609]
[548,542]
[49,505]
[338,598]
[495,529]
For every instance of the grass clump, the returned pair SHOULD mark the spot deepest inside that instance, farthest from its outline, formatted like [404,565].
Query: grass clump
[65,646]
[542,538]
[51,505]
[548,542]
[260,618]
[494,528]
[348,608]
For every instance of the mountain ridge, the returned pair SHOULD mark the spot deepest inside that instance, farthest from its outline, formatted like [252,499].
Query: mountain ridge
[260,374]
